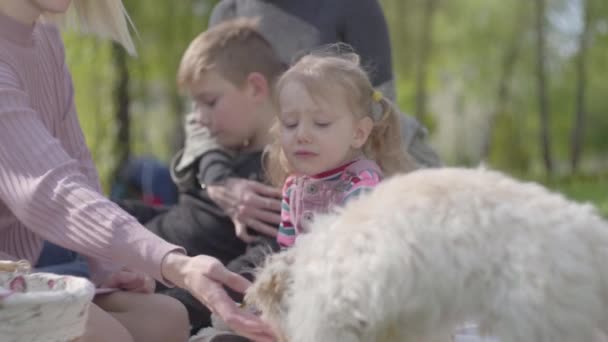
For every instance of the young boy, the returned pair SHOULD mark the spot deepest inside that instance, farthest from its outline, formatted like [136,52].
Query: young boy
[229,72]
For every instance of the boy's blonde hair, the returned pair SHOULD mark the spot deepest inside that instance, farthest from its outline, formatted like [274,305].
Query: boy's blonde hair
[234,49]
[104,18]
[329,75]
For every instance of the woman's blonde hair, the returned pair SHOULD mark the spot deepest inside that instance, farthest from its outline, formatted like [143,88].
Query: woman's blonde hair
[104,18]
[327,75]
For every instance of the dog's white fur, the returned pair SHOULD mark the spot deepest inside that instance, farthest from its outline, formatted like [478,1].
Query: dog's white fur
[433,249]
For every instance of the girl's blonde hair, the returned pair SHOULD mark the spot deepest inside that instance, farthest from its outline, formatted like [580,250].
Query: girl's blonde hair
[326,75]
[104,18]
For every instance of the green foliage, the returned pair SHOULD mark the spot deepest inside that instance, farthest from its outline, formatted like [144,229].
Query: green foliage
[517,157]
[163,29]
[591,189]
[93,76]
[471,39]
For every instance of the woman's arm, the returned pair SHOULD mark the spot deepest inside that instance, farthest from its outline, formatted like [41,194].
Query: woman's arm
[5,256]
[204,276]
[48,193]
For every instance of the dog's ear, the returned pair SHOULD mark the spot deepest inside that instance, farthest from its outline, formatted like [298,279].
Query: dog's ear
[272,282]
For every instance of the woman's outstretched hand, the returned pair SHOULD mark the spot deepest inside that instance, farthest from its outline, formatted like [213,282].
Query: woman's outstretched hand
[204,277]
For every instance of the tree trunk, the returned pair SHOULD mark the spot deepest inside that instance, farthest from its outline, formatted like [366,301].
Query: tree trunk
[122,147]
[578,129]
[398,13]
[425,51]
[543,100]
[502,95]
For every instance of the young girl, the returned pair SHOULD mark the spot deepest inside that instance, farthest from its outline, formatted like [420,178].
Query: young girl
[49,189]
[337,138]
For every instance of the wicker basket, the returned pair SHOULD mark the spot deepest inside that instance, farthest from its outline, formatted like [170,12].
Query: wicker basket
[41,307]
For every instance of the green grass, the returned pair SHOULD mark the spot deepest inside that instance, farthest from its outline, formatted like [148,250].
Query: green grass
[592,189]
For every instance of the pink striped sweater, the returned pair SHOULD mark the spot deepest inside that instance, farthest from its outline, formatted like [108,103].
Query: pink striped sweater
[49,188]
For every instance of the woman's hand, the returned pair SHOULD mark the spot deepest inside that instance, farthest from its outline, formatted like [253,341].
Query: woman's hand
[203,277]
[130,281]
[250,204]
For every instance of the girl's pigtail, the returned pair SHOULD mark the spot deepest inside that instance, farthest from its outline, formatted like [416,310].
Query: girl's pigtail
[384,142]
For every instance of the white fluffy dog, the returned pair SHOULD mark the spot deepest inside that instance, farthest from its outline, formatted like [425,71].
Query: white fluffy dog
[431,250]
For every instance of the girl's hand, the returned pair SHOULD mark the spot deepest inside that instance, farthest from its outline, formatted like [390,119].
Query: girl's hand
[204,277]
[130,281]
[250,204]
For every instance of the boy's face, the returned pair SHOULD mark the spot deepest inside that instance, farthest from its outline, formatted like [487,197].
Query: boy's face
[225,109]
[318,136]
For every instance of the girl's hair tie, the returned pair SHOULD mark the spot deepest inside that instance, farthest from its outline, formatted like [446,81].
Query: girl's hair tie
[377,96]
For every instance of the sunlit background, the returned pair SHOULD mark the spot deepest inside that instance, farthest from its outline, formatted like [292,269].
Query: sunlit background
[476,72]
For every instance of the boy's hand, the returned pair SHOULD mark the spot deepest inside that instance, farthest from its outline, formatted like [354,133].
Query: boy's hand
[250,204]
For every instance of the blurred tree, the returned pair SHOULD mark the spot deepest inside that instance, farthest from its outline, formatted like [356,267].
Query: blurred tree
[122,144]
[581,88]
[541,74]
[509,60]
[425,47]
[470,67]
[130,105]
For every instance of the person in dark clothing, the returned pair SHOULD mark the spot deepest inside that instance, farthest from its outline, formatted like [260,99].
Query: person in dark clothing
[59,260]
[144,178]
[296,27]
[198,224]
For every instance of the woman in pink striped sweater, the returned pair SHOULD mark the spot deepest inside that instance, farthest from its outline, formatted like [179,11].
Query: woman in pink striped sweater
[49,189]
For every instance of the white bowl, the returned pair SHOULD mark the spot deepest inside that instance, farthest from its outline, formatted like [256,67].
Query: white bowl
[53,308]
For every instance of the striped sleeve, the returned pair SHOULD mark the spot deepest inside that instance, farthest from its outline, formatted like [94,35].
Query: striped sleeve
[46,190]
[363,182]
[6,256]
[286,235]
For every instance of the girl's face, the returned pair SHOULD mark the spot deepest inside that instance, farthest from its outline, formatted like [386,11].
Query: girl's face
[318,136]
